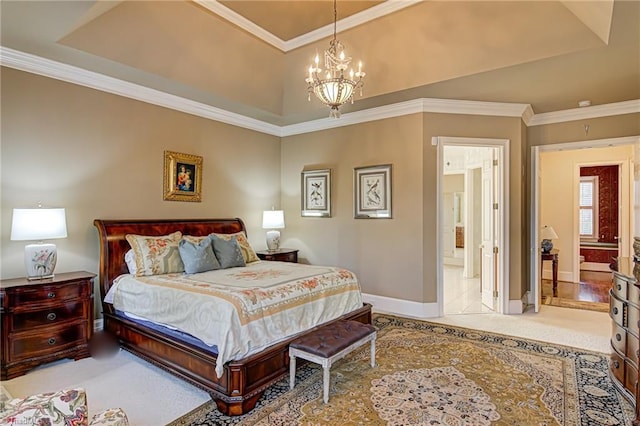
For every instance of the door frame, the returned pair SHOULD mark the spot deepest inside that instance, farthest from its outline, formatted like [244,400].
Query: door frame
[503,214]
[535,292]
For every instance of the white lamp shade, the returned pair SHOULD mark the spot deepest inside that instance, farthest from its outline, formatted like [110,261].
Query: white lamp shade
[273,219]
[548,233]
[38,224]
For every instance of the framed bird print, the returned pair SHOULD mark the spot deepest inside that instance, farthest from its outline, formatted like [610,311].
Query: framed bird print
[372,192]
[316,193]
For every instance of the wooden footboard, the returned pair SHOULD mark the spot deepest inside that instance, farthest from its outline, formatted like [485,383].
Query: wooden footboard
[243,381]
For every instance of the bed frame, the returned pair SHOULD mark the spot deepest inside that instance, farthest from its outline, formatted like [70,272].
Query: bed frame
[244,381]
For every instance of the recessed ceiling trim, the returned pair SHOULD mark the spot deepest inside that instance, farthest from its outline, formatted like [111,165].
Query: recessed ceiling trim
[354,20]
[594,111]
[242,22]
[48,68]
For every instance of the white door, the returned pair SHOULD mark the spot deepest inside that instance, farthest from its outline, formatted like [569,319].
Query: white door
[488,279]
[448,226]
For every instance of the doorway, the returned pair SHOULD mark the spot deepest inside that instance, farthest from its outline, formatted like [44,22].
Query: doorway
[472,254]
[570,159]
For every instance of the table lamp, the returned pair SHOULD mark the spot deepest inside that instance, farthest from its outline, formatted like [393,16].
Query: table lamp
[273,220]
[547,235]
[38,225]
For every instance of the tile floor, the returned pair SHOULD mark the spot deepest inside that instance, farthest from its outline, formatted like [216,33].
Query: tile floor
[461,295]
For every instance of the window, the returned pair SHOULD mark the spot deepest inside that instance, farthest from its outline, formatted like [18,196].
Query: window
[589,207]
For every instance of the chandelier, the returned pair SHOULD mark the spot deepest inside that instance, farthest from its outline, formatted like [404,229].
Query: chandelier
[332,87]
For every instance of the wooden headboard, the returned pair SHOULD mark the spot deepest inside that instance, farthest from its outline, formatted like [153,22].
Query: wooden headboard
[113,244]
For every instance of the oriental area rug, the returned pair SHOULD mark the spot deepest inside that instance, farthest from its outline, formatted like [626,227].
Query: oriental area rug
[432,374]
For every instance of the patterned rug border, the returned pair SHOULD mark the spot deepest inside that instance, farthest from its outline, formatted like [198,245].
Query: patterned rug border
[386,322]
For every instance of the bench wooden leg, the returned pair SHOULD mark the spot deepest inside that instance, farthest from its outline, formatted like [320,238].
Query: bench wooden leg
[292,371]
[373,352]
[326,366]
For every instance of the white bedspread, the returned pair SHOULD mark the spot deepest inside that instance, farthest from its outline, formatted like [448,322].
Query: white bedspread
[241,310]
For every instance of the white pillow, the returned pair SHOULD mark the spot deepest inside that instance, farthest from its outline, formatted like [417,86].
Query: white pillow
[130,260]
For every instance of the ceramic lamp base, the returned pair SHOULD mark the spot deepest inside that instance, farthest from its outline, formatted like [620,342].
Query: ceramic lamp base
[547,245]
[273,240]
[40,260]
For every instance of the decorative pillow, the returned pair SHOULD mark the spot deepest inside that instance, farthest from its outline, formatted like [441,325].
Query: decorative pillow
[130,260]
[227,251]
[156,255]
[64,407]
[198,257]
[248,253]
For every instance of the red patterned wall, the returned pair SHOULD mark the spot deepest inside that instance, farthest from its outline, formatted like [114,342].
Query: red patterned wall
[607,211]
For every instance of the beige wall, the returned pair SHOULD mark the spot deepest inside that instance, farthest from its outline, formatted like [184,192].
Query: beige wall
[102,156]
[474,126]
[393,257]
[385,253]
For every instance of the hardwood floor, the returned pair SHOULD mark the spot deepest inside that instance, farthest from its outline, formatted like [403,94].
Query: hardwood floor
[593,287]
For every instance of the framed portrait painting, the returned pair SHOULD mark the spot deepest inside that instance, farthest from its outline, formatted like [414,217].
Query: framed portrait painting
[182,177]
[372,192]
[316,193]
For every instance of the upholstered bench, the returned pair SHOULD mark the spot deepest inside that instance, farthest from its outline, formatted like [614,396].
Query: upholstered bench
[328,344]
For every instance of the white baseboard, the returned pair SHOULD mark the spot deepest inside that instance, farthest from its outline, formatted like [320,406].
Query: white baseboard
[408,308]
[453,261]
[98,325]
[594,266]
[401,307]
[562,275]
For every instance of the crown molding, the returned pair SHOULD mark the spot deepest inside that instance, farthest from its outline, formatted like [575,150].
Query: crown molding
[46,67]
[415,106]
[595,111]
[359,18]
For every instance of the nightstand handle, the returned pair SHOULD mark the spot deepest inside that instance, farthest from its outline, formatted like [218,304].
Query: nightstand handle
[52,316]
[618,337]
[52,340]
[51,295]
[615,311]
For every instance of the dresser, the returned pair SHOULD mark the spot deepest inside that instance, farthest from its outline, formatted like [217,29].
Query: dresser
[45,320]
[624,310]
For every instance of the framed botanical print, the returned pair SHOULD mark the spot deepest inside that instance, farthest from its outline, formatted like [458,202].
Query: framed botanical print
[182,177]
[372,189]
[316,193]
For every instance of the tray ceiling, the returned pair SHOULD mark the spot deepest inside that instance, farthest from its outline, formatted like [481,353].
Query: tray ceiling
[238,56]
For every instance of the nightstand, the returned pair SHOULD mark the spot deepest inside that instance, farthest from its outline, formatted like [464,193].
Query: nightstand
[45,320]
[281,255]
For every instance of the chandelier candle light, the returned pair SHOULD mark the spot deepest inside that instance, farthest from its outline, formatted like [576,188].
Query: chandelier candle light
[331,86]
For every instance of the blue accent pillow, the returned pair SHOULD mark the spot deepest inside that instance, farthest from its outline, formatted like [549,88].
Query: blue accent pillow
[197,257]
[228,252]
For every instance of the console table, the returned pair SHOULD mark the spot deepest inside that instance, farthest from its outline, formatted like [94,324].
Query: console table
[553,257]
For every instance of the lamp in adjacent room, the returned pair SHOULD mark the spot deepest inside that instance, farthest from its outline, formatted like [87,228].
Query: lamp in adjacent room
[273,220]
[38,225]
[547,234]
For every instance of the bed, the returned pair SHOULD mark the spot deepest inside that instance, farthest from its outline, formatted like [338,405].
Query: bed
[244,380]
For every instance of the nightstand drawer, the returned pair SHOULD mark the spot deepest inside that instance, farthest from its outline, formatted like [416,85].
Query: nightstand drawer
[46,342]
[48,317]
[46,293]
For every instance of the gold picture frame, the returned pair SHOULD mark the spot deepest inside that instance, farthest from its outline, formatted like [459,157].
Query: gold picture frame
[182,177]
